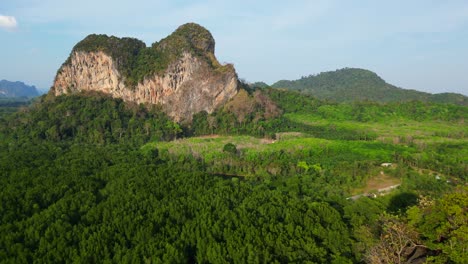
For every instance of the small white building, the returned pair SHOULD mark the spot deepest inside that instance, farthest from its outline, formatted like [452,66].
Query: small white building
[386,164]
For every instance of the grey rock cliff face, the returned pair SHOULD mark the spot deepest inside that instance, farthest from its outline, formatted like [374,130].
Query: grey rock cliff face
[188,86]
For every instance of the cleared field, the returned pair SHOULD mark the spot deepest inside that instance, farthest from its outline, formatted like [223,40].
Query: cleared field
[350,165]
[376,183]
[397,131]
[295,144]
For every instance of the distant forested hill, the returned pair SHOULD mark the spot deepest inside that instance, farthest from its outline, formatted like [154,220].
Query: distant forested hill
[17,89]
[350,84]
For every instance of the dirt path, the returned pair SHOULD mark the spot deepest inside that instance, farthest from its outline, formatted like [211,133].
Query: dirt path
[378,185]
[380,192]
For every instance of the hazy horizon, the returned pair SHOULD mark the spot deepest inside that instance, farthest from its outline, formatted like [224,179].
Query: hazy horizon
[420,45]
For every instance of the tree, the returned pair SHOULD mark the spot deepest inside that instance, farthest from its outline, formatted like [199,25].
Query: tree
[398,242]
[173,128]
[230,148]
[444,225]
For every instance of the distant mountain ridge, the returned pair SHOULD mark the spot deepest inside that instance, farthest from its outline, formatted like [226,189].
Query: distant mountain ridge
[353,84]
[17,89]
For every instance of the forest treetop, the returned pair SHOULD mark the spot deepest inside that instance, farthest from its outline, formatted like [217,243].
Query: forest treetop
[354,84]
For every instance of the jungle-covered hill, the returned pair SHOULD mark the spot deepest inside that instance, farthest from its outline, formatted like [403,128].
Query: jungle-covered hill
[352,84]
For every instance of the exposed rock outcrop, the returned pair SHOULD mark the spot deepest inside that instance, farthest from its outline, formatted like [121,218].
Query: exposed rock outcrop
[185,79]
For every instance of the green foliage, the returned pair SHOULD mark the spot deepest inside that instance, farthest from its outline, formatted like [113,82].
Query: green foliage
[259,85]
[194,39]
[91,119]
[294,102]
[92,179]
[188,37]
[9,105]
[401,201]
[398,243]
[230,148]
[148,62]
[87,203]
[444,225]
[449,98]
[135,61]
[350,85]
[255,123]
[124,51]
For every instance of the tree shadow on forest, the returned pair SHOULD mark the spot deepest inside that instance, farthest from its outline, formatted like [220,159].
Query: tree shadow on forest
[400,202]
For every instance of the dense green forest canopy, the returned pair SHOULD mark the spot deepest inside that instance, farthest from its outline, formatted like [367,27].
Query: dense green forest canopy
[88,178]
[352,84]
[295,102]
[9,105]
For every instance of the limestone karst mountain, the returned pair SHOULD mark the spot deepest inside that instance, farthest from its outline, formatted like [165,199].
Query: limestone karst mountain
[17,89]
[180,73]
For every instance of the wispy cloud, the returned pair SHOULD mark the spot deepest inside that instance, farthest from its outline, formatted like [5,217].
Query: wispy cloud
[8,22]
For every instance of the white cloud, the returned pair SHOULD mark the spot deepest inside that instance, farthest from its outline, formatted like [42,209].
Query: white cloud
[8,22]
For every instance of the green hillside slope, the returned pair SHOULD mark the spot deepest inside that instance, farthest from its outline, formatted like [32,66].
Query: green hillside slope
[351,84]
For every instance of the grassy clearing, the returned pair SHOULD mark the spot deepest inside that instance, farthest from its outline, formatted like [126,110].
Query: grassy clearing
[212,146]
[439,146]
[397,131]
[407,134]
[380,181]
[206,145]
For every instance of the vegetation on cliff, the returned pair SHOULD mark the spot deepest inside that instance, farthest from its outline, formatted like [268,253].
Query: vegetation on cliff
[135,61]
[188,37]
[350,85]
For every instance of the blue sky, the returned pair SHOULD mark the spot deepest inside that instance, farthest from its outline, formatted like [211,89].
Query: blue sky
[419,44]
